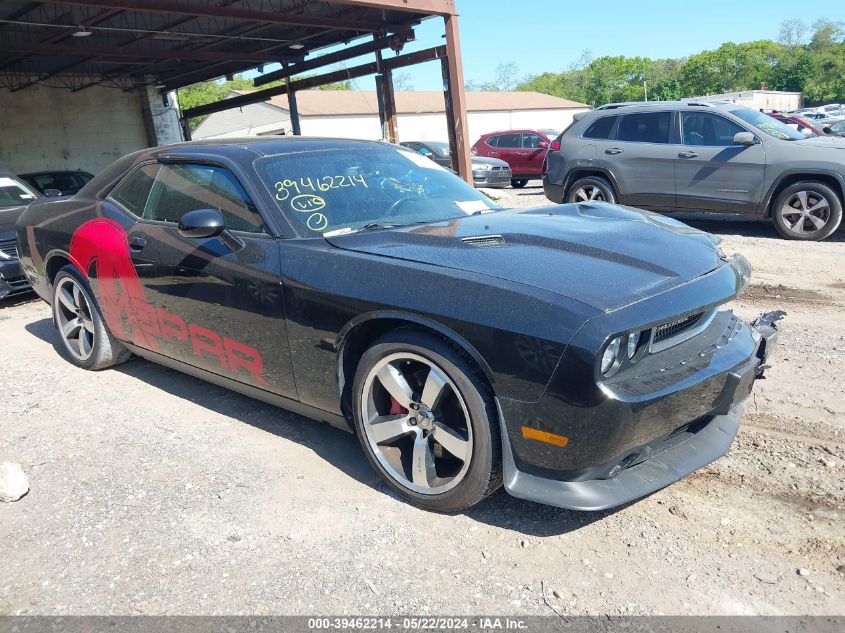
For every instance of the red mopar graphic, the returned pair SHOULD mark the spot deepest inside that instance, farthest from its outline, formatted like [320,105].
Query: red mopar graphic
[101,245]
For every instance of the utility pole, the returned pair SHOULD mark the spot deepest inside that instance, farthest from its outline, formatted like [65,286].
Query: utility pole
[645,88]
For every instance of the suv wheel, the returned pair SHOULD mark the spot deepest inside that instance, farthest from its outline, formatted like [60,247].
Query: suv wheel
[591,189]
[807,211]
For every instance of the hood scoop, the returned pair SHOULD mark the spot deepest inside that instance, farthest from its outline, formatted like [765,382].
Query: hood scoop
[484,240]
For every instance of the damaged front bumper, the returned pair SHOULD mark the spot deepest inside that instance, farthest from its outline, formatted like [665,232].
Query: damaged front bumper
[12,279]
[644,469]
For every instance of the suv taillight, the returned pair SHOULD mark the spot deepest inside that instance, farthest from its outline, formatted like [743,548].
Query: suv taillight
[555,146]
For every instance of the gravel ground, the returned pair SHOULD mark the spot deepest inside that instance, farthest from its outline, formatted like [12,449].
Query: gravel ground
[155,493]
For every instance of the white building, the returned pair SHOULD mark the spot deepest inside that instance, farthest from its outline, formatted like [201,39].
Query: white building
[420,115]
[761,99]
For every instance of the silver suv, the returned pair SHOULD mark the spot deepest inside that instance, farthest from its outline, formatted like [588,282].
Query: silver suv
[701,156]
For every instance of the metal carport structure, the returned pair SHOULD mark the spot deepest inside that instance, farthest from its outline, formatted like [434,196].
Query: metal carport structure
[154,46]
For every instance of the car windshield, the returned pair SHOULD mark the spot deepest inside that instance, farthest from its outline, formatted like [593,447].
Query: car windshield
[767,124]
[14,193]
[344,189]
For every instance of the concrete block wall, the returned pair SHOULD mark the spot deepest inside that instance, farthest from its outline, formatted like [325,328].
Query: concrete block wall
[52,128]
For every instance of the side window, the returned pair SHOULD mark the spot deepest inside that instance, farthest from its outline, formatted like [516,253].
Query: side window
[704,128]
[601,128]
[531,141]
[510,140]
[182,188]
[493,141]
[645,127]
[133,192]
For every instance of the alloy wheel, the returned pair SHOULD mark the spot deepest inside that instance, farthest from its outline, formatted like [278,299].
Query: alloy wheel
[416,423]
[589,193]
[74,318]
[805,212]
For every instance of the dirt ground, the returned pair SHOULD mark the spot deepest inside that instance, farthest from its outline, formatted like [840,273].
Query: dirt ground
[155,493]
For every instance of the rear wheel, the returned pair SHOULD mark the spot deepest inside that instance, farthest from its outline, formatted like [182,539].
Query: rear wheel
[82,331]
[591,189]
[519,183]
[426,421]
[807,211]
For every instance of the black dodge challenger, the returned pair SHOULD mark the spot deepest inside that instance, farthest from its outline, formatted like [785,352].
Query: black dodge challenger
[576,353]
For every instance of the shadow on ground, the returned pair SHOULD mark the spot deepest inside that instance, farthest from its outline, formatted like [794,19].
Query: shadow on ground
[338,448]
[17,300]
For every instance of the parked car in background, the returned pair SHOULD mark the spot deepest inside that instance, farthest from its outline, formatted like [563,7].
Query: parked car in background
[581,355]
[797,123]
[64,183]
[437,151]
[700,156]
[837,129]
[486,172]
[14,196]
[523,150]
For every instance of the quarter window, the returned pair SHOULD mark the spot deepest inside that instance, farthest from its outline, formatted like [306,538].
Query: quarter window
[645,127]
[601,128]
[493,141]
[181,188]
[133,192]
[703,128]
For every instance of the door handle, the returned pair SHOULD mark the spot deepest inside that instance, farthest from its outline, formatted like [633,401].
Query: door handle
[137,243]
[688,155]
[613,150]
[520,153]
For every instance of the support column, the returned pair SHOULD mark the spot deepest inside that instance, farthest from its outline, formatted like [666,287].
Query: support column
[456,103]
[386,98]
[294,109]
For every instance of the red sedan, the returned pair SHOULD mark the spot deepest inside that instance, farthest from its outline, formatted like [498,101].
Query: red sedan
[523,150]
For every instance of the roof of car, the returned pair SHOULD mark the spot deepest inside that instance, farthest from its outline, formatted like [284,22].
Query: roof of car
[671,104]
[32,174]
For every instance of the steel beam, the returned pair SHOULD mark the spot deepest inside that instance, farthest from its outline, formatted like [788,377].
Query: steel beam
[428,54]
[162,6]
[456,101]
[427,7]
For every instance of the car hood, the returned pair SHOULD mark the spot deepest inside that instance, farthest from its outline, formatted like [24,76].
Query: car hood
[8,217]
[603,255]
[827,142]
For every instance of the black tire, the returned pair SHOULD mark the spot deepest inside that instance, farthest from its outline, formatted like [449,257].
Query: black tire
[519,183]
[105,350]
[807,194]
[602,188]
[483,474]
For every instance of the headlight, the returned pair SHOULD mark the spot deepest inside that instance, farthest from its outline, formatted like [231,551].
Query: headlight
[633,343]
[482,167]
[609,357]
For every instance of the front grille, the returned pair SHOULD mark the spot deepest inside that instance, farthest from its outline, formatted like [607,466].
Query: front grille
[9,247]
[505,168]
[668,330]
[484,240]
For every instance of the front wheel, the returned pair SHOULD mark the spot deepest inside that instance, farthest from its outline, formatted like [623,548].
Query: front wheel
[519,183]
[426,420]
[807,211]
[82,331]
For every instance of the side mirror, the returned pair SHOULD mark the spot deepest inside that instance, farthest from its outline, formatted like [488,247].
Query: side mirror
[543,145]
[827,130]
[743,138]
[202,223]
[52,193]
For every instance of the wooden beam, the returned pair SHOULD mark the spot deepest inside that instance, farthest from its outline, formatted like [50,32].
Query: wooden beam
[456,101]
[428,54]
[163,6]
[379,43]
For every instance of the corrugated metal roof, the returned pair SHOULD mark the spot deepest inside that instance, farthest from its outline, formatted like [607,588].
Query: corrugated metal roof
[362,102]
